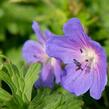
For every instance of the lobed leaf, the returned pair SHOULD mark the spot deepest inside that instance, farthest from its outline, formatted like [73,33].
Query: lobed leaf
[56,100]
[30,78]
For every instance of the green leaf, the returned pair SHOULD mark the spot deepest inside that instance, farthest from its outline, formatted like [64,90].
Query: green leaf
[55,100]
[20,85]
[30,78]
[14,77]
[4,95]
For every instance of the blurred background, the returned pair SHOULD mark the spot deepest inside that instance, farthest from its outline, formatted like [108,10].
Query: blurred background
[16,18]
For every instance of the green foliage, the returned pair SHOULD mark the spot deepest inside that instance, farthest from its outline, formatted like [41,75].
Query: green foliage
[30,78]
[21,85]
[46,99]
[4,95]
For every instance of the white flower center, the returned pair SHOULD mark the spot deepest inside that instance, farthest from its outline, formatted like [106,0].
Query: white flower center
[91,56]
[87,61]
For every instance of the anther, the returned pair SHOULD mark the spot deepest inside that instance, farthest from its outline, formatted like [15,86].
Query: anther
[34,56]
[86,60]
[81,50]
[78,65]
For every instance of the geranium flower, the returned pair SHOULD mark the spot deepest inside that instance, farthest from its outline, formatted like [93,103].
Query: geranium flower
[84,58]
[35,51]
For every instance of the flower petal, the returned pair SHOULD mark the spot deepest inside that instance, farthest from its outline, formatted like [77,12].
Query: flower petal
[99,83]
[57,69]
[99,72]
[77,82]
[48,34]
[63,48]
[74,29]
[33,52]
[46,77]
[72,25]
[38,32]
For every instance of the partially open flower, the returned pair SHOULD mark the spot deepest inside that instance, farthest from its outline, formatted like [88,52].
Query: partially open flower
[35,51]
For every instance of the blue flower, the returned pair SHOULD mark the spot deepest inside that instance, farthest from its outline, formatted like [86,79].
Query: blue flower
[85,60]
[35,51]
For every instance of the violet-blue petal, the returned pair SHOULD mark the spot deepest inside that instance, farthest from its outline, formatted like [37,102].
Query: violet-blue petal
[48,34]
[57,69]
[63,48]
[46,78]
[72,25]
[99,72]
[40,36]
[74,29]
[77,82]
[99,83]
[33,52]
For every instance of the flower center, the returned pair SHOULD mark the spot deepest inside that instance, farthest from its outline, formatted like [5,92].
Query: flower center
[90,56]
[87,61]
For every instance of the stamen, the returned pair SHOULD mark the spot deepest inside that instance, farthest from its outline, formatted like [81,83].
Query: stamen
[81,50]
[86,60]
[76,62]
[79,68]
[34,56]
[88,66]
[78,65]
